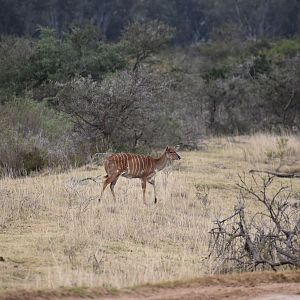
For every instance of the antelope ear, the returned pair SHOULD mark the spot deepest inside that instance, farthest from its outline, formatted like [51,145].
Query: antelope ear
[167,148]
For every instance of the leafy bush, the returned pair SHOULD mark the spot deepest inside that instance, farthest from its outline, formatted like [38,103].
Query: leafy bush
[215,74]
[124,110]
[33,136]
[285,48]
[261,65]
[15,54]
[19,155]
[144,39]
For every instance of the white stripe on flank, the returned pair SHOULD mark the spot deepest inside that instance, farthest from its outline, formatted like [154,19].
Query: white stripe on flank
[130,163]
[117,159]
[146,165]
[152,165]
[122,164]
[127,163]
[133,163]
[143,168]
[138,165]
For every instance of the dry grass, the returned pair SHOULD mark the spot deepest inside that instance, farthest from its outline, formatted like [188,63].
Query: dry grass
[276,152]
[53,232]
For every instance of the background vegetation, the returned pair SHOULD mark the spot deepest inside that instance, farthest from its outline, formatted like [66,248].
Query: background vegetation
[79,77]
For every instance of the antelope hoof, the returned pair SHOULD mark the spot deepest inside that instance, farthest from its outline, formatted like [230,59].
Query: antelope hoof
[155,200]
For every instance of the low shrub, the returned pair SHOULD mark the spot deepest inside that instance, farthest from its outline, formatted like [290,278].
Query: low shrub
[33,136]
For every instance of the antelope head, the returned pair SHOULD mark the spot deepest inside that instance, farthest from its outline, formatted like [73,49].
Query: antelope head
[172,154]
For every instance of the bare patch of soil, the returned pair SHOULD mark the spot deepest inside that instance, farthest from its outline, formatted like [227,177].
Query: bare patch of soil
[259,292]
[254,286]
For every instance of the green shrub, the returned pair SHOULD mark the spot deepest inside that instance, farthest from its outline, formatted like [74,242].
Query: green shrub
[261,65]
[15,54]
[283,49]
[214,74]
[33,136]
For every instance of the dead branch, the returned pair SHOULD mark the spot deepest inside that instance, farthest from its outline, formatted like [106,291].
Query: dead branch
[90,178]
[277,174]
[267,239]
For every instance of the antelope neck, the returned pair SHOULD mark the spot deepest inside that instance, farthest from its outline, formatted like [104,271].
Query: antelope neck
[161,162]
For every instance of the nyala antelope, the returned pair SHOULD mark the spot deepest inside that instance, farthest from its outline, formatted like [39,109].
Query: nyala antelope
[135,166]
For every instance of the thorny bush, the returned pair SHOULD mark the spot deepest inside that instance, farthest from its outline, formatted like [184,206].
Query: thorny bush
[267,238]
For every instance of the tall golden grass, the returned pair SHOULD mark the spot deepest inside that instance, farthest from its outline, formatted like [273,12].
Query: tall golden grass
[54,233]
[269,149]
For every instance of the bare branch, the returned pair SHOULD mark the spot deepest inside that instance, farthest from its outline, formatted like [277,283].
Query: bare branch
[277,174]
[265,239]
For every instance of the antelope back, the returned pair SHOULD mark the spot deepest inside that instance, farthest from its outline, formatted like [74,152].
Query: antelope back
[129,165]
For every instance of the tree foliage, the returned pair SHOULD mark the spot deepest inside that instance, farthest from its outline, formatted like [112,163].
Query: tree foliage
[194,20]
[137,74]
[33,137]
[144,39]
[121,111]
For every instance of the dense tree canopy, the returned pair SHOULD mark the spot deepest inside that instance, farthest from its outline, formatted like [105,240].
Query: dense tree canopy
[194,20]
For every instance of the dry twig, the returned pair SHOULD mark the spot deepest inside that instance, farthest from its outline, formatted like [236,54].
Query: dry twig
[269,238]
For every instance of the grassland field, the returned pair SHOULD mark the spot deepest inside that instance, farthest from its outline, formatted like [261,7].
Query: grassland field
[54,233]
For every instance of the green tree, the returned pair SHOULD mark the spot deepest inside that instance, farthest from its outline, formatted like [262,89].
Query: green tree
[15,54]
[122,110]
[144,39]
[47,61]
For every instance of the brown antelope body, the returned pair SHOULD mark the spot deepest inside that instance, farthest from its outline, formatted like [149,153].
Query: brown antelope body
[135,166]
